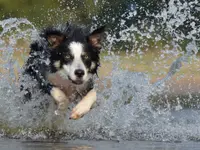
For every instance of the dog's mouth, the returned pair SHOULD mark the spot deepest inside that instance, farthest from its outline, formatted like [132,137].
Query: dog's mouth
[77,81]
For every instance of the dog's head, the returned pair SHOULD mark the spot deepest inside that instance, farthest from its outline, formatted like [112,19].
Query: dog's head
[75,51]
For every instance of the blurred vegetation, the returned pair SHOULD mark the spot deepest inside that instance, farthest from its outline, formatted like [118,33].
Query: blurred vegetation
[51,11]
[97,12]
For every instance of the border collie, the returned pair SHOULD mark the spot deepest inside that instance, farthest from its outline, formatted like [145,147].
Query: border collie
[64,60]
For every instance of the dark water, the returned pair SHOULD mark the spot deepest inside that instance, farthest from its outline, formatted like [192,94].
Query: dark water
[8,144]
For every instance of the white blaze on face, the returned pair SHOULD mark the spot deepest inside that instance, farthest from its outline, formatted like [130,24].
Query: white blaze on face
[76,49]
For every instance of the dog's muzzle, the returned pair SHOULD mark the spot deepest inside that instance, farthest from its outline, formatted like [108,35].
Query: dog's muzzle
[79,73]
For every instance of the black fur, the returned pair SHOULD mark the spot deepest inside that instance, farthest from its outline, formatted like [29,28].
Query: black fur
[43,54]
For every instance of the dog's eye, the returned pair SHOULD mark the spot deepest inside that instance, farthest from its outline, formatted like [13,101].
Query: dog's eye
[85,57]
[67,56]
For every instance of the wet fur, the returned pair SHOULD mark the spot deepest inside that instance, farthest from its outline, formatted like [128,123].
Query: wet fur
[50,54]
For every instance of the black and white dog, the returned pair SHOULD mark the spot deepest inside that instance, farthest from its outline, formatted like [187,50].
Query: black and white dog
[64,60]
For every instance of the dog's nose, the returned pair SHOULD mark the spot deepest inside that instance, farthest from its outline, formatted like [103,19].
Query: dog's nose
[79,73]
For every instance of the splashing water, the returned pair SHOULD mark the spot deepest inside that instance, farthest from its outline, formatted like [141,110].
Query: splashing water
[125,111]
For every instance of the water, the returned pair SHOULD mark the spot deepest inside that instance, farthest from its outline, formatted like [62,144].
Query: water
[7,144]
[125,109]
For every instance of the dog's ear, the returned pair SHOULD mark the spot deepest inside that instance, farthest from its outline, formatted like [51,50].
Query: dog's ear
[96,36]
[55,40]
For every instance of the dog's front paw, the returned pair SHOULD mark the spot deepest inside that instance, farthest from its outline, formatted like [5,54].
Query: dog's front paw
[61,100]
[81,109]
[58,95]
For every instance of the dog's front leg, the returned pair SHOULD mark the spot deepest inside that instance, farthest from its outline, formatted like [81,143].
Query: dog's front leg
[61,100]
[84,105]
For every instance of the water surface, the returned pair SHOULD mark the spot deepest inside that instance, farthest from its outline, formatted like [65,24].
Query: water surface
[8,144]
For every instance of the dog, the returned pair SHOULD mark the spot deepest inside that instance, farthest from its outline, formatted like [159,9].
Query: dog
[64,60]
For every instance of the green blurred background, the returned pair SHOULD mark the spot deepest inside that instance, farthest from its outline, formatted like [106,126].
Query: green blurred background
[100,12]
